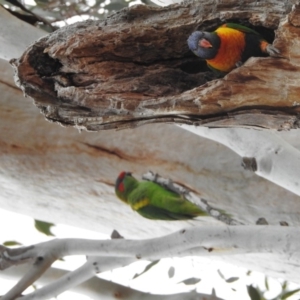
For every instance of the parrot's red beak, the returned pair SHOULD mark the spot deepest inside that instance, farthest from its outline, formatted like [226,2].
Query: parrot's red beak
[204,43]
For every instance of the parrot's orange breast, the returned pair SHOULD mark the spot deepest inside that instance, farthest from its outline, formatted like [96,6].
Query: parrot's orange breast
[231,48]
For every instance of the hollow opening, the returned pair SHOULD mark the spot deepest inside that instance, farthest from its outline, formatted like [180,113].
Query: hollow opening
[195,64]
[43,63]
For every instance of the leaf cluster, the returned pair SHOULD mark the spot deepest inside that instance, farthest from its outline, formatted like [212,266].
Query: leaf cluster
[256,293]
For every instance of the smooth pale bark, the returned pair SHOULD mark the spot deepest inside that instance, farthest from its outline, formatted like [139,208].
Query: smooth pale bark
[212,241]
[208,241]
[69,280]
[100,289]
[15,35]
[275,159]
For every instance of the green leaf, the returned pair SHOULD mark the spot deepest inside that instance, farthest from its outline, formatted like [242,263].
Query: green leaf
[221,274]
[232,279]
[43,227]
[12,243]
[115,6]
[253,293]
[116,235]
[149,2]
[39,2]
[267,283]
[190,281]
[147,268]
[284,286]
[171,272]
[290,293]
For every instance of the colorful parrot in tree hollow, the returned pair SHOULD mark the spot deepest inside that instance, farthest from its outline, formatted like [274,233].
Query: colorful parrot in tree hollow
[153,201]
[229,46]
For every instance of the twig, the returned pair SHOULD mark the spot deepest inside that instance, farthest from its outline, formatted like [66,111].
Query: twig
[101,289]
[37,269]
[93,266]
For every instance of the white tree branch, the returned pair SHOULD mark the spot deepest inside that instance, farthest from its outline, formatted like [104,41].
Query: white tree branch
[213,240]
[93,266]
[236,239]
[35,271]
[100,289]
[274,158]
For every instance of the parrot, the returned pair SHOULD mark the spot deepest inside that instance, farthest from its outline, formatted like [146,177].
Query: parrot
[153,201]
[229,46]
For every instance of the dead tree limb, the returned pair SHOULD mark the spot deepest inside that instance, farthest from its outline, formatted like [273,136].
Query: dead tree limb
[135,68]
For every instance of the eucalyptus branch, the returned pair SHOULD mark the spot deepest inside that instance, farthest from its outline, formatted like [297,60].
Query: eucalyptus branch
[100,289]
[93,266]
[264,239]
[192,197]
[210,241]
[263,152]
[35,271]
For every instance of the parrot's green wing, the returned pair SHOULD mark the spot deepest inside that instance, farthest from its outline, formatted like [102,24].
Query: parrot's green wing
[240,28]
[156,213]
[156,202]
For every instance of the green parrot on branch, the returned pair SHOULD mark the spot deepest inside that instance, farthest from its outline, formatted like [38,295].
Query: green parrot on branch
[153,201]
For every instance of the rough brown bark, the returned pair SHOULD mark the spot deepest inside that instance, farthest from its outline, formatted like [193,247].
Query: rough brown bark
[135,68]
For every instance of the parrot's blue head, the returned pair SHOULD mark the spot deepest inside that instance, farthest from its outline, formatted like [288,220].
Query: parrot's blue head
[204,44]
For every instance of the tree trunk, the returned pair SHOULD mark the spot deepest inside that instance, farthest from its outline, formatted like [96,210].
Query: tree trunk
[135,68]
